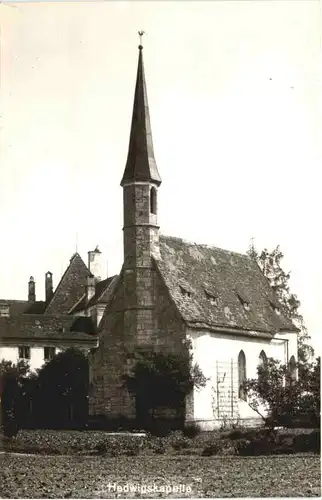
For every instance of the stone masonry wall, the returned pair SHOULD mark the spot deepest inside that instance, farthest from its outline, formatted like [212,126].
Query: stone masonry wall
[107,397]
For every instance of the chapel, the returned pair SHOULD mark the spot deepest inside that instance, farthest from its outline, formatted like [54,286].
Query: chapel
[170,290]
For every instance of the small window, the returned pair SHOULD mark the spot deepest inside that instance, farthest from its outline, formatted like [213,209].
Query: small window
[213,299]
[49,353]
[185,292]
[153,200]
[243,298]
[4,310]
[241,375]
[24,352]
[244,302]
[275,307]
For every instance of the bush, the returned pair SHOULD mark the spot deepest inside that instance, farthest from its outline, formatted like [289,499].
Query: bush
[160,427]
[10,428]
[307,442]
[212,449]
[157,445]
[180,443]
[120,445]
[191,431]
[255,442]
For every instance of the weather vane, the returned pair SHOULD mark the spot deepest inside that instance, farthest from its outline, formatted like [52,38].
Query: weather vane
[141,33]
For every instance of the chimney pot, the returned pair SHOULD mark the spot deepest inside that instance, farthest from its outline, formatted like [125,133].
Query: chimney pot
[48,286]
[95,263]
[31,290]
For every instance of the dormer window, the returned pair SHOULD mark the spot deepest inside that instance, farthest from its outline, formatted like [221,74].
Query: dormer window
[244,301]
[275,307]
[4,310]
[212,298]
[153,200]
[185,292]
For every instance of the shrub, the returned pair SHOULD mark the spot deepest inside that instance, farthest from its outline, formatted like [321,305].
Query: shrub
[286,398]
[210,450]
[10,428]
[157,445]
[242,446]
[307,442]
[236,434]
[191,430]
[160,428]
[180,443]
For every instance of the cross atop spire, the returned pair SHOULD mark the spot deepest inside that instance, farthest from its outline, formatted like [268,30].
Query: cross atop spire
[141,165]
[141,33]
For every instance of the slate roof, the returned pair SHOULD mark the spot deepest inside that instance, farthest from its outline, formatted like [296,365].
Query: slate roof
[196,273]
[141,165]
[101,294]
[17,307]
[71,287]
[62,328]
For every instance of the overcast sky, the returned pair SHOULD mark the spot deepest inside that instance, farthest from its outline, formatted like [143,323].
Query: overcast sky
[234,93]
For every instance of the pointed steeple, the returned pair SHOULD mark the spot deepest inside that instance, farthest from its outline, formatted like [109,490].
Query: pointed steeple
[141,165]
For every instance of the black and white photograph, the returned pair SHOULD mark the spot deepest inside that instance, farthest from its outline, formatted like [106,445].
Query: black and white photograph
[160,256]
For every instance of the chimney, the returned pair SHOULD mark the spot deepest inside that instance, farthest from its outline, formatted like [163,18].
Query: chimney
[48,286]
[95,263]
[31,290]
[89,288]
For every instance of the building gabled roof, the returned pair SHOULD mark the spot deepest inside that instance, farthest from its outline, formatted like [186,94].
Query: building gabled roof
[141,165]
[101,288]
[189,270]
[70,288]
[34,327]
[17,307]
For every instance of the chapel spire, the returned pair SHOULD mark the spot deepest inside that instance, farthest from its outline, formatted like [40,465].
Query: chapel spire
[141,165]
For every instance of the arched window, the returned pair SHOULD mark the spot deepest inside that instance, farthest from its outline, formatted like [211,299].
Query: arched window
[292,368]
[241,375]
[153,200]
[262,359]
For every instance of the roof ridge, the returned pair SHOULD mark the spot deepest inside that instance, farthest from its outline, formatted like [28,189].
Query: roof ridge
[204,245]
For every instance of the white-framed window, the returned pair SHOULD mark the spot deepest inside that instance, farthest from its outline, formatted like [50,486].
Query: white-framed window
[49,352]
[24,352]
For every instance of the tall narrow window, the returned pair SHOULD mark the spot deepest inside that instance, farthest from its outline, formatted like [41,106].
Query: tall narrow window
[241,375]
[153,200]
[263,359]
[292,368]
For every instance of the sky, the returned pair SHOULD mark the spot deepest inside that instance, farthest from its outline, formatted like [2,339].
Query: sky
[234,91]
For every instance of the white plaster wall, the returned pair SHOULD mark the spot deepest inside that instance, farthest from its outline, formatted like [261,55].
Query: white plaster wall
[36,355]
[9,354]
[209,347]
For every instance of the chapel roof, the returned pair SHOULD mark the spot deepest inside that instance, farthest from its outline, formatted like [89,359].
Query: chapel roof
[216,288]
[141,165]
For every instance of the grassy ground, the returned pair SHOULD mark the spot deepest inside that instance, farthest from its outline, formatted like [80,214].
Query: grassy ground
[193,476]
